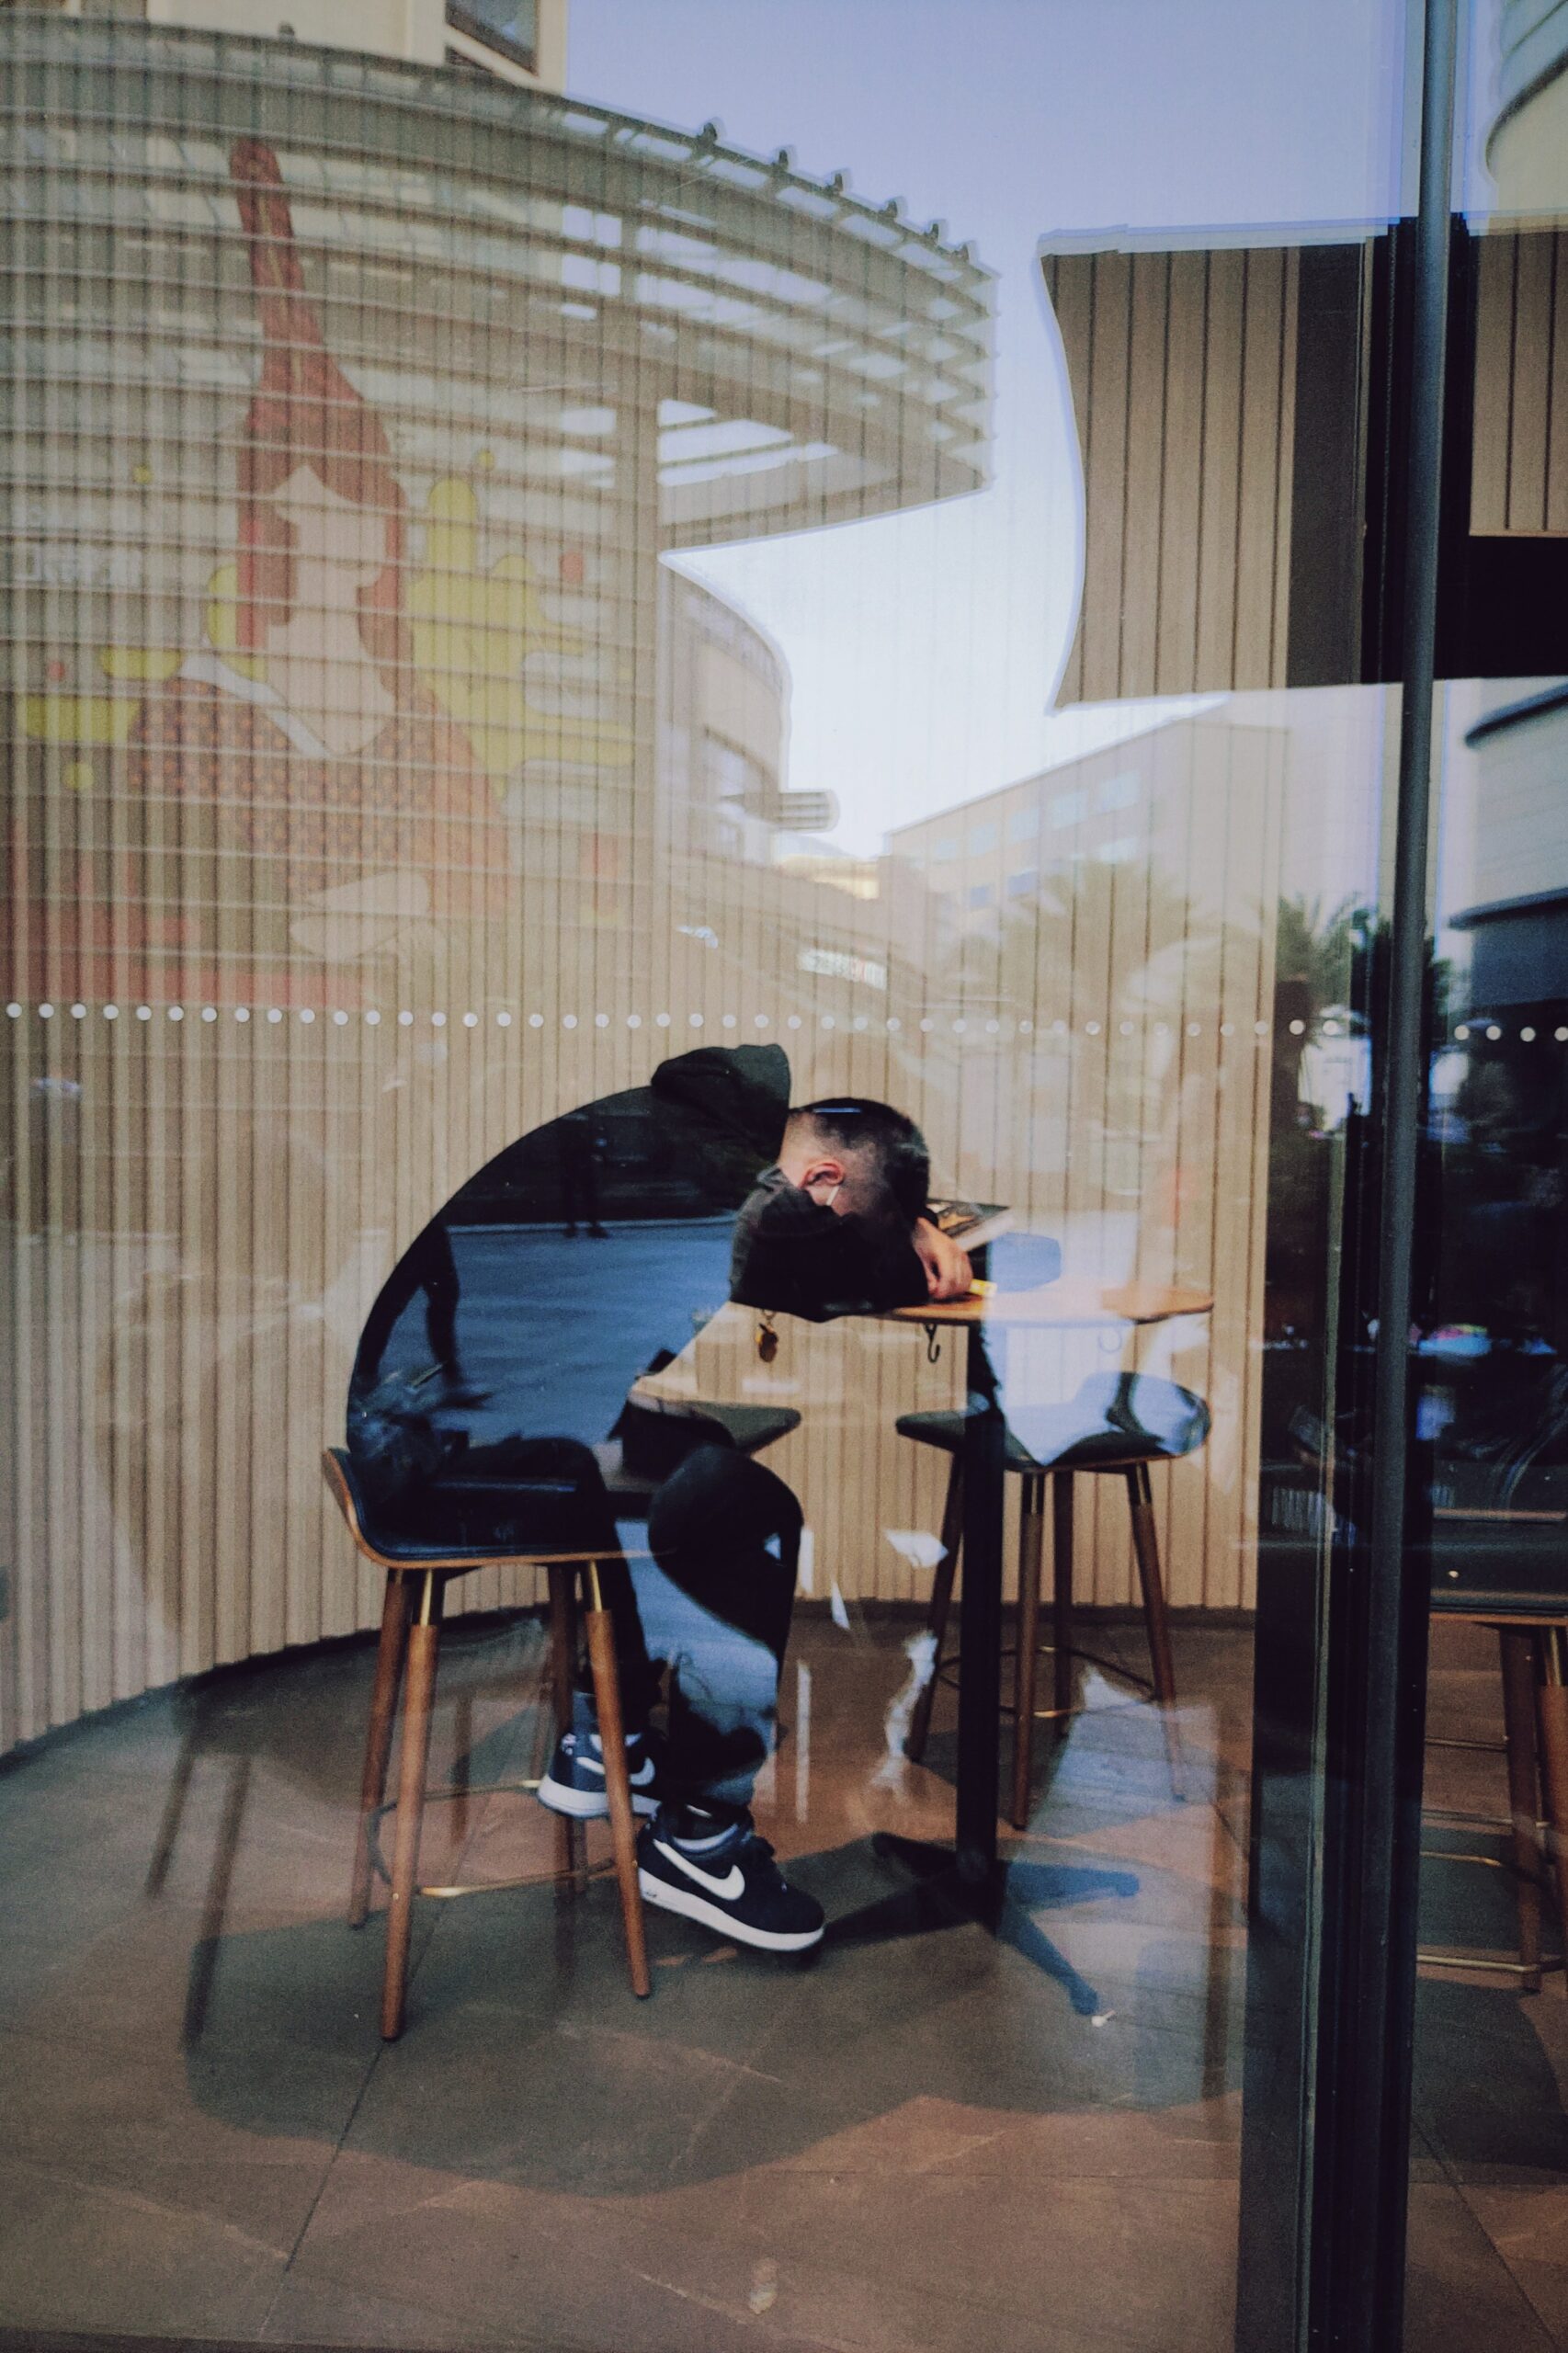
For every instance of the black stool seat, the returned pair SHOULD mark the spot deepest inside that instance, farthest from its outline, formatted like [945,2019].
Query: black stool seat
[1114,1419]
[396,1544]
[750,1427]
[657,1436]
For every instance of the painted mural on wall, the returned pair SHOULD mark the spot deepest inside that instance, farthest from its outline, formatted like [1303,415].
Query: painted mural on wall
[326,774]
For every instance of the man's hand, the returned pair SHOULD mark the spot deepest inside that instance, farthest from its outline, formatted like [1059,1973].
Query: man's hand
[946,1267]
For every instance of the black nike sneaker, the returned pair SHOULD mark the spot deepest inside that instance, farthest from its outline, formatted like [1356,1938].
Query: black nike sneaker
[730,1883]
[574,1783]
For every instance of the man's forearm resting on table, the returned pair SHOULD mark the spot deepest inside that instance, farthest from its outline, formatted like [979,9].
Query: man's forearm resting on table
[946,1267]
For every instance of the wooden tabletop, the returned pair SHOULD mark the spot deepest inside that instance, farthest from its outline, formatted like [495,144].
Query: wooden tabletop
[1073,1299]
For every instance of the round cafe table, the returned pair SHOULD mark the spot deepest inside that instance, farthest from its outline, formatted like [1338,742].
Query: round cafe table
[988,1318]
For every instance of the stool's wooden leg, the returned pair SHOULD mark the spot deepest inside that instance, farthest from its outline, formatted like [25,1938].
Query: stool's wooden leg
[378,1735]
[1518,1720]
[618,1785]
[414,1757]
[1031,1536]
[1146,1546]
[1062,1597]
[1551,1701]
[570,1845]
[941,1607]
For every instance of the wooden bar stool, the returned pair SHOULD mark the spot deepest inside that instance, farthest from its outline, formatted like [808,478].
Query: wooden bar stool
[410,1641]
[1117,1424]
[1534,1657]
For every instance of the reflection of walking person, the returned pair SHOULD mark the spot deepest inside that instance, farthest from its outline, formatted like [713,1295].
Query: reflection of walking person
[582,1147]
[427,1266]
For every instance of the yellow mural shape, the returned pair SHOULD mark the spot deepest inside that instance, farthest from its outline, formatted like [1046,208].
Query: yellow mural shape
[472,632]
[80,719]
[147,665]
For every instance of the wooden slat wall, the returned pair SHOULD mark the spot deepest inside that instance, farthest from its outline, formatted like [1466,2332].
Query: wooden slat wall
[1519,474]
[1182,370]
[199,1212]
[185,1293]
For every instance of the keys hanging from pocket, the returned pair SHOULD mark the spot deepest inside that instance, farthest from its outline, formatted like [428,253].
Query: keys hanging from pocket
[766,1340]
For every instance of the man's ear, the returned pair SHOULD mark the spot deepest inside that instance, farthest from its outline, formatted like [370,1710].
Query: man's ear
[824,1170]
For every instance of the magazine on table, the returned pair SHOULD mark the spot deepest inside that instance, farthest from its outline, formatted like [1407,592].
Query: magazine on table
[971,1224]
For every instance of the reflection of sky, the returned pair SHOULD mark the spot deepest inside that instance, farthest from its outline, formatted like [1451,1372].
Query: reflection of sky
[924,647]
[557,1330]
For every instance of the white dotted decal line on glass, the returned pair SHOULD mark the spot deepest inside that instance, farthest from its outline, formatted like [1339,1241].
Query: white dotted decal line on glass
[957,1025]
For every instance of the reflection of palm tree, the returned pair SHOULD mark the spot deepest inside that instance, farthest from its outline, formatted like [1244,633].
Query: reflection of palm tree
[1319,959]
[1316,958]
[1318,950]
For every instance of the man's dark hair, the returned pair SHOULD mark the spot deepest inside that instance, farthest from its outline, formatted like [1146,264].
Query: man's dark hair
[856,1124]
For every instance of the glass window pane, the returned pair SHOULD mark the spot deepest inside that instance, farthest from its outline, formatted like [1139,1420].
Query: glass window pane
[1489,2159]
[545,631]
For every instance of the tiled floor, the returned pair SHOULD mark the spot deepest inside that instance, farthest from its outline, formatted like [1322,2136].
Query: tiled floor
[923,2139]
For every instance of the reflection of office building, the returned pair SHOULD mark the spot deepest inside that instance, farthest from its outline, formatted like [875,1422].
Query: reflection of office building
[724,712]
[1157,805]
[1518,921]
[999,853]
[1500,1081]
[1127,894]
[355,405]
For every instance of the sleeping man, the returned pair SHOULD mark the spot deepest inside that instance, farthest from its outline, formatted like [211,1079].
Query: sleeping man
[835,1225]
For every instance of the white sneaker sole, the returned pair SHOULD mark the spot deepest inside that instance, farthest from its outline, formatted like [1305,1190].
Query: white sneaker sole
[692,1907]
[588,1805]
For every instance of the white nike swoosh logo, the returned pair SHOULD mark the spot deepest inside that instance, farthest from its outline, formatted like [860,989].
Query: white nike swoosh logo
[726,1889]
[639,1781]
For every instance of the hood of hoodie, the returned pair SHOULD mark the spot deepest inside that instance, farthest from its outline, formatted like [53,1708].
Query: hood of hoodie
[744,1091]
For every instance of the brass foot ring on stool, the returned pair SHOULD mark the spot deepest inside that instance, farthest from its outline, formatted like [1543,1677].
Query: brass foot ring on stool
[555,1878]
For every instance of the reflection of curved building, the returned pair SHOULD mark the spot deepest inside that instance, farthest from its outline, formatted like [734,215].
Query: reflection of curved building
[1497,1403]
[593,340]
[354,406]
[1526,148]
[1518,923]
[724,715]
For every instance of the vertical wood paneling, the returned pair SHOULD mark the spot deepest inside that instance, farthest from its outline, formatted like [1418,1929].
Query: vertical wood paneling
[1494,266]
[1284,471]
[1143,511]
[1519,469]
[1105,411]
[1182,367]
[1218,523]
[1177,589]
[1260,561]
[1557,406]
[1070,285]
[1531,376]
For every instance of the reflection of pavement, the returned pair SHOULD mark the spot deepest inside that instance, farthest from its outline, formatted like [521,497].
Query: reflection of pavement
[556,1330]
